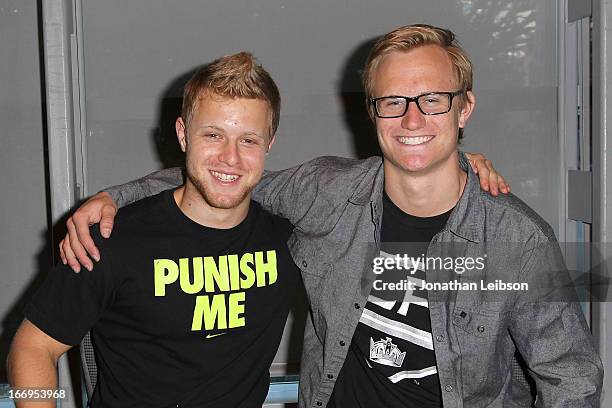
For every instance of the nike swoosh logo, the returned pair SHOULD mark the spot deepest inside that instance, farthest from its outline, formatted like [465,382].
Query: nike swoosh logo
[210,336]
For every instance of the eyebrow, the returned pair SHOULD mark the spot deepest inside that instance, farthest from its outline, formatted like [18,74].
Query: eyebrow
[210,127]
[217,128]
[421,94]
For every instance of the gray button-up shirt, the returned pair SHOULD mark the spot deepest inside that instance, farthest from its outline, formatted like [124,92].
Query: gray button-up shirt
[336,207]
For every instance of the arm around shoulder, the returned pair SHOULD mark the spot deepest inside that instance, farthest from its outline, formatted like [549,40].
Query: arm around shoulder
[315,187]
[77,246]
[146,186]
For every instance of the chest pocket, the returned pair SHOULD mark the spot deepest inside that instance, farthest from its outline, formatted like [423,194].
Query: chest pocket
[479,325]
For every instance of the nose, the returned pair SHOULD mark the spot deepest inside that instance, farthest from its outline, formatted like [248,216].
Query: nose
[413,119]
[229,153]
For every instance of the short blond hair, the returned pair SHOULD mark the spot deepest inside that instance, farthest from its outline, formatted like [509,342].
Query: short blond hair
[413,36]
[232,76]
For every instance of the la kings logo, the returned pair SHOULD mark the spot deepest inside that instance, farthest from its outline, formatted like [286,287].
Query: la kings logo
[386,353]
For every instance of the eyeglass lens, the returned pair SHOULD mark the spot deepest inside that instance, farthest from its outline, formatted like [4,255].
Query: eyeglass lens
[429,104]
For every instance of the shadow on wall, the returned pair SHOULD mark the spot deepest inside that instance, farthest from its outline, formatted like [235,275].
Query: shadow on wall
[169,152]
[354,110]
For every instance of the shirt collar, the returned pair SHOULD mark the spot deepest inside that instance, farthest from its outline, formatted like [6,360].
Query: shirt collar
[467,220]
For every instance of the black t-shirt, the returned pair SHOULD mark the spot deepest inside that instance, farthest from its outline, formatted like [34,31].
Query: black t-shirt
[391,362]
[181,314]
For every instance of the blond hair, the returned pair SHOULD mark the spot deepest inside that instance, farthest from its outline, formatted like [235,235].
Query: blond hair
[233,76]
[413,36]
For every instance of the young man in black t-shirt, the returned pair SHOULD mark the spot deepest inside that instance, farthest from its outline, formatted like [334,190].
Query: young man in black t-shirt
[188,303]
[391,358]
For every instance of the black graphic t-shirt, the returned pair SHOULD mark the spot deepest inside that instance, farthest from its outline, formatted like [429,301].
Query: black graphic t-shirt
[391,362]
[181,314]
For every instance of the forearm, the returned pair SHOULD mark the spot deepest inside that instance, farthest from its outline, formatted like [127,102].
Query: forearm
[35,369]
[149,185]
[293,193]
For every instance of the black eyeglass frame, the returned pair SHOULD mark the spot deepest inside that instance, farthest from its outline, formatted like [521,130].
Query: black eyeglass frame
[415,99]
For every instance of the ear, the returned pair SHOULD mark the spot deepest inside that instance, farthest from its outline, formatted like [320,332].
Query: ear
[467,109]
[370,109]
[180,133]
[271,143]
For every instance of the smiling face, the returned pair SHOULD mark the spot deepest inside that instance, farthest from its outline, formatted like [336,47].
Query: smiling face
[415,142]
[225,145]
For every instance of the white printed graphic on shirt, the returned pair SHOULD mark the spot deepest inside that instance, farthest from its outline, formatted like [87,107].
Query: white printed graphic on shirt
[409,297]
[402,375]
[385,352]
[397,329]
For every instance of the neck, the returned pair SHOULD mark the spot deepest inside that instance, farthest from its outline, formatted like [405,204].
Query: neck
[195,207]
[426,194]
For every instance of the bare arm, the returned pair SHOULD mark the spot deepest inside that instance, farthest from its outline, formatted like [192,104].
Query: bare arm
[32,362]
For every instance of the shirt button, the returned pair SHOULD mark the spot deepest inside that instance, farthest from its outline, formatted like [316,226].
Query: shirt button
[330,376]
[440,337]
[448,388]
[357,306]
[342,343]
[304,264]
[480,329]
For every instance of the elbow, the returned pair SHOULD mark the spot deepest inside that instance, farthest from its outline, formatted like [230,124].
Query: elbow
[590,375]
[598,375]
[17,354]
[587,384]
[32,360]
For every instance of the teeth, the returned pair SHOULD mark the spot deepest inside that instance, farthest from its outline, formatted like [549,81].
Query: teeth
[223,176]
[415,140]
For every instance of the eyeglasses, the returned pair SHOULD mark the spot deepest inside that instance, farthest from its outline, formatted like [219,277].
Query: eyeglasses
[432,103]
